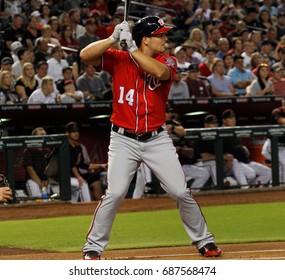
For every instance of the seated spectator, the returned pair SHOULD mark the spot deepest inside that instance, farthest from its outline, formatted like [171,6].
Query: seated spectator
[180,54]
[196,86]
[179,88]
[205,66]
[32,31]
[15,46]
[45,94]
[71,95]
[41,50]
[55,27]
[24,55]
[277,78]
[240,77]
[67,40]
[79,179]
[56,64]
[26,84]
[192,56]
[262,85]
[237,46]
[91,85]
[6,64]
[221,85]
[223,47]
[11,96]
[74,19]
[67,73]
[89,35]
[35,163]
[228,63]
[196,37]
[247,54]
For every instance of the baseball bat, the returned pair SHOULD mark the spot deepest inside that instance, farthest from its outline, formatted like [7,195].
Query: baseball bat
[123,43]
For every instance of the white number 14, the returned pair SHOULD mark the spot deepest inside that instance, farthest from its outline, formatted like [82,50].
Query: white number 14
[129,96]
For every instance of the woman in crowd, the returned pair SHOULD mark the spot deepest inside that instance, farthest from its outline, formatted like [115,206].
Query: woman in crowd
[6,88]
[262,85]
[228,62]
[55,28]
[67,39]
[27,82]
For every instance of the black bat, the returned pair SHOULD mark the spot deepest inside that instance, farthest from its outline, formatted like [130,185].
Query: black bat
[123,43]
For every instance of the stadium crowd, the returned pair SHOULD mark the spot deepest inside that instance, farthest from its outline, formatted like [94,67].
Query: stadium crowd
[223,47]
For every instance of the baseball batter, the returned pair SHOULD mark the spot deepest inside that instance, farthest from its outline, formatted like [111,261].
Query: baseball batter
[141,77]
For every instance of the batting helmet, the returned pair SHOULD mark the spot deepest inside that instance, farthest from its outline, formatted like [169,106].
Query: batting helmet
[147,26]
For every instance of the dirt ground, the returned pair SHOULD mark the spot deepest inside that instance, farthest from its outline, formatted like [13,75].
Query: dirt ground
[271,250]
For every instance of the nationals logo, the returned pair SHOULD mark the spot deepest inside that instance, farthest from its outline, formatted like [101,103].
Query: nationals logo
[153,82]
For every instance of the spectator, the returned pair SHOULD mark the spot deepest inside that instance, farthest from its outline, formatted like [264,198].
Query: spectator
[6,63]
[15,46]
[267,5]
[74,21]
[280,25]
[247,54]
[221,85]
[55,27]
[92,86]
[264,19]
[237,46]
[34,162]
[11,96]
[32,31]
[223,47]
[79,185]
[41,51]
[266,50]
[24,55]
[196,86]
[71,95]
[228,62]
[255,37]
[67,73]
[89,35]
[67,39]
[192,56]
[277,78]
[251,17]
[205,67]
[102,7]
[179,88]
[240,77]
[13,33]
[56,63]
[101,30]
[214,36]
[26,84]
[45,94]
[84,12]
[180,54]
[196,37]
[262,85]
[261,174]
[45,12]
[206,151]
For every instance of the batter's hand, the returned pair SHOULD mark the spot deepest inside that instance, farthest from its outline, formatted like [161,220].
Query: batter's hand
[124,26]
[127,37]
[5,194]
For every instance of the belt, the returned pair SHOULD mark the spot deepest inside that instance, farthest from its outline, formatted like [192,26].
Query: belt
[138,136]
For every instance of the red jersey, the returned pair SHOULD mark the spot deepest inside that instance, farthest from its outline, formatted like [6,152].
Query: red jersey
[139,99]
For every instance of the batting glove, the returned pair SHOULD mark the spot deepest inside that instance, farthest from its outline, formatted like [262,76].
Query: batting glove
[127,38]
[115,37]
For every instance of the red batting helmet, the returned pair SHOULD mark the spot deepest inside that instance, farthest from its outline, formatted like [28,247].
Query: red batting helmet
[147,26]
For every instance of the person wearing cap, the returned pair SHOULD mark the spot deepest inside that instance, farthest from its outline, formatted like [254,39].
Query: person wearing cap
[197,87]
[240,77]
[13,33]
[251,17]
[56,63]
[179,88]
[192,56]
[41,50]
[34,162]
[257,174]
[84,174]
[206,149]
[15,46]
[221,85]
[67,73]
[278,79]
[6,63]
[84,7]
[180,54]
[89,36]
[91,85]
[206,66]
[43,95]
[262,85]
[141,77]
[71,95]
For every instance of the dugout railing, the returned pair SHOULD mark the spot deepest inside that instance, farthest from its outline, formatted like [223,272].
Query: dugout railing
[12,145]
[221,133]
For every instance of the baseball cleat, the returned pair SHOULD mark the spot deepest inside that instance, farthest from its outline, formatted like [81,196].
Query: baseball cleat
[210,250]
[91,255]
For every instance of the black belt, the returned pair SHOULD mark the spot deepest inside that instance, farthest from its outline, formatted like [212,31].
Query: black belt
[138,136]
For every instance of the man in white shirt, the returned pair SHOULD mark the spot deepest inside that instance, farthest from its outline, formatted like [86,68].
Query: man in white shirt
[44,94]
[56,63]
